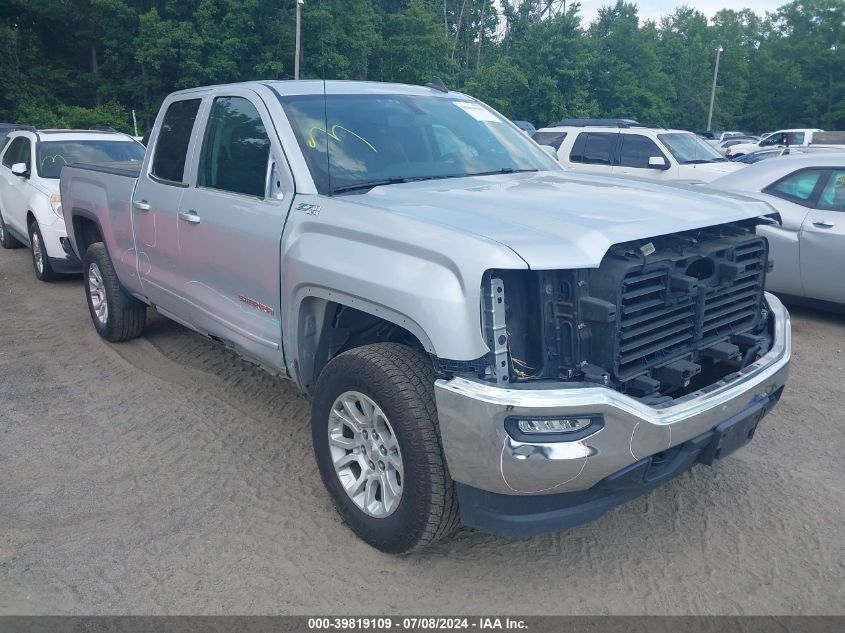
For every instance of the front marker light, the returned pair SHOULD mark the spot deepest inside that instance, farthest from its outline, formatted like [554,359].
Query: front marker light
[552,428]
[56,204]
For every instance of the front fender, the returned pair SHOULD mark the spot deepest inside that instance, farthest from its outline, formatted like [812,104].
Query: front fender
[422,277]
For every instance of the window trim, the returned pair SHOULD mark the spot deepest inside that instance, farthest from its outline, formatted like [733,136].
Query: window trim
[812,201]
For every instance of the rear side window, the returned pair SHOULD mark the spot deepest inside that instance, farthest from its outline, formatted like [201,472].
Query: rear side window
[552,139]
[594,148]
[797,187]
[636,150]
[833,196]
[173,139]
[235,149]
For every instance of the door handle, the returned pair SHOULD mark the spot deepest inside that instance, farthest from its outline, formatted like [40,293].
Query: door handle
[141,205]
[190,217]
[823,224]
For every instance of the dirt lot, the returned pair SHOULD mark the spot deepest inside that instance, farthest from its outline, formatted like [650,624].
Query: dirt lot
[167,476]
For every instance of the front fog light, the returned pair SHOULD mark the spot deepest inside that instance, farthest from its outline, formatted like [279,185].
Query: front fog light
[552,428]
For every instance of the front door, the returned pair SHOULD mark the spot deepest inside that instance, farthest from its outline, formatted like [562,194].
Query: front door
[155,207]
[230,226]
[823,242]
[14,190]
[635,157]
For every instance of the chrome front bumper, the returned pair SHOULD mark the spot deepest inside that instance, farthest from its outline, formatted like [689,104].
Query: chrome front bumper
[481,454]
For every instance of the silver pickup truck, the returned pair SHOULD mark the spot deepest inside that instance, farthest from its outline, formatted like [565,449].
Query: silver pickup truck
[486,339]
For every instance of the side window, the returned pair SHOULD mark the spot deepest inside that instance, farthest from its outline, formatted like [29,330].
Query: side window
[173,139]
[833,196]
[636,150]
[14,149]
[774,139]
[797,187]
[553,139]
[235,149]
[594,148]
[796,138]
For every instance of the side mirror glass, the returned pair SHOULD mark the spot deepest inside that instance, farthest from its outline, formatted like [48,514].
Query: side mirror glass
[20,169]
[657,162]
[551,151]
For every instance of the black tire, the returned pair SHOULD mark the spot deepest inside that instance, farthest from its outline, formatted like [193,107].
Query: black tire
[7,240]
[125,316]
[40,261]
[400,381]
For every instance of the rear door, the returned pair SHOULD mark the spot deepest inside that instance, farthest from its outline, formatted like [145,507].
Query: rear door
[823,242]
[593,152]
[635,151]
[230,226]
[155,207]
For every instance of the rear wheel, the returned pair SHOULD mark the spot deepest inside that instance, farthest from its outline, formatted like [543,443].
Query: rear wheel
[116,315]
[43,270]
[7,240]
[377,444]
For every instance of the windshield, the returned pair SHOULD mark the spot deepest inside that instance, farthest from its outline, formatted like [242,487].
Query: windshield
[383,139]
[688,148]
[53,155]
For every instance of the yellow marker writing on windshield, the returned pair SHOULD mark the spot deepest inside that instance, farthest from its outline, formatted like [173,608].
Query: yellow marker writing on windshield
[312,142]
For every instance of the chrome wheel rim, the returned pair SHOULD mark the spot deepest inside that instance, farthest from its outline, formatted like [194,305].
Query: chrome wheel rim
[365,454]
[37,253]
[97,293]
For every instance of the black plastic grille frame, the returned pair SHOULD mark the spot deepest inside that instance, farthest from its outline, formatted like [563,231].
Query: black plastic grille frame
[658,323]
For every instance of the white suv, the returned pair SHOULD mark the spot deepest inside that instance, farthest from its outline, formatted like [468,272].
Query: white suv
[30,207]
[625,148]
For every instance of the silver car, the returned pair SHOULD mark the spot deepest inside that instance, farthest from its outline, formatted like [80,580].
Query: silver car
[808,248]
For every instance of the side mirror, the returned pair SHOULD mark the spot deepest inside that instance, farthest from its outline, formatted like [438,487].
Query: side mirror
[657,162]
[551,151]
[20,169]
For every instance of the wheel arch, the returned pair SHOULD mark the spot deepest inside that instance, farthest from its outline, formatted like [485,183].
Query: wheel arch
[85,230]
[329,322]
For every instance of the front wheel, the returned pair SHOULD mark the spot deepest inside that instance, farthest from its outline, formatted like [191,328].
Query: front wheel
[43,270]
[377,445]
[116,315]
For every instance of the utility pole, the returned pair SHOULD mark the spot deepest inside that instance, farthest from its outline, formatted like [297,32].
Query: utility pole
[299,4]
[713,91]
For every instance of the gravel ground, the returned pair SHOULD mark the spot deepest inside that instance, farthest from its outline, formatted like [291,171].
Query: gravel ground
[165,475]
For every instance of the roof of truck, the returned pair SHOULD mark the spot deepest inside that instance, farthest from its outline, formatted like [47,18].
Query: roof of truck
[332,87]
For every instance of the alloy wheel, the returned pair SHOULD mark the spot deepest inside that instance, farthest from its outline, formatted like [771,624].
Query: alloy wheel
[365,454]
[97,292]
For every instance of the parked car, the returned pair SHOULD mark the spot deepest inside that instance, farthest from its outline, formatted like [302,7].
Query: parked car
[472,323]
[622,147]
[776,152]
[30,206]
[724,145]
[808,247]
[781,138]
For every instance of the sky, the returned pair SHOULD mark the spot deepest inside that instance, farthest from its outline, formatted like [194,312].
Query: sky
[655,9]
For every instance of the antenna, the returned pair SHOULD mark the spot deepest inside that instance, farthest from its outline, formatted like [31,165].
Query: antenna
[325,101]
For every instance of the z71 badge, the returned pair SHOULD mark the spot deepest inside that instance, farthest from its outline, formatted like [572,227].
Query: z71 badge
[310,209]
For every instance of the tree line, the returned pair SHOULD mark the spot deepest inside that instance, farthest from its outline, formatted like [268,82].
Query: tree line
[90,62]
